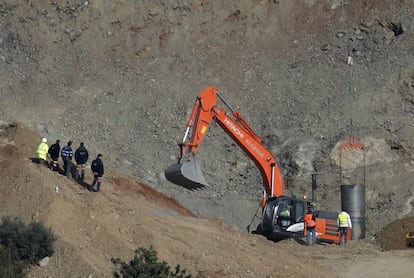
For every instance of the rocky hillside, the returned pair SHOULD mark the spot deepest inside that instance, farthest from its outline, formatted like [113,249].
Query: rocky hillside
[122,76]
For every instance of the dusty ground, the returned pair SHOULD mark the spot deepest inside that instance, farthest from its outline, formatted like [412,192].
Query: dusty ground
[122,75]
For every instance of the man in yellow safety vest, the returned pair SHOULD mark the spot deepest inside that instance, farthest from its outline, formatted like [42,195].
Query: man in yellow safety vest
[42,151]
[344,223]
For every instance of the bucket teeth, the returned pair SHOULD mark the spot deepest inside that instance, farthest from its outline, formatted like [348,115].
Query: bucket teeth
[187,174]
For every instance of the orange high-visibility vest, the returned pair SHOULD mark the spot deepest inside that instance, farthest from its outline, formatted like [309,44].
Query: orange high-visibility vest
[310,223]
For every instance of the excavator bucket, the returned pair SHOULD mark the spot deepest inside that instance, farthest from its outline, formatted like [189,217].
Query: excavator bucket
[187,174]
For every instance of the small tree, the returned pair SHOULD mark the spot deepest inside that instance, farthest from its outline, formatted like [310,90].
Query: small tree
[10,268]
[145,264]
[28,243]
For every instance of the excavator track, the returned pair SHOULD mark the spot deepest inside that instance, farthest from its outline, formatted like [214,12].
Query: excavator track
[187,174]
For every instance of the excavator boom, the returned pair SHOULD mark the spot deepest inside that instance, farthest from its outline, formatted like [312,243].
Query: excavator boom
[187,171]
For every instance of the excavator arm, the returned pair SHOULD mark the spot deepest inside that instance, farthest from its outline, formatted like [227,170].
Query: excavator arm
[187,172]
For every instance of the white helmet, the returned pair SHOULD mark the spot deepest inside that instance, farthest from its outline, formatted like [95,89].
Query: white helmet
[44,140]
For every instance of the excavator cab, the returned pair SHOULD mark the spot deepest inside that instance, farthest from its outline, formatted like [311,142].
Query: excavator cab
[283,217]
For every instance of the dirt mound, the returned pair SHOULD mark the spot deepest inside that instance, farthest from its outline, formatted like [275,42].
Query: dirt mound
[393,236]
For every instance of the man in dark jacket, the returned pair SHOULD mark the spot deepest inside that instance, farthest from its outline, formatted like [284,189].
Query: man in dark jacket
[67,154]
[54,152]
[97,168]
[81,157]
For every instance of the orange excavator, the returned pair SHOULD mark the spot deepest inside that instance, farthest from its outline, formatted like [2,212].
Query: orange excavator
[281,216]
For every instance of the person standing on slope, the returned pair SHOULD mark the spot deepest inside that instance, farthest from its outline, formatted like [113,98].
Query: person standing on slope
[67,154]
[81,157]
[97,168]
[42,151]
[54,152]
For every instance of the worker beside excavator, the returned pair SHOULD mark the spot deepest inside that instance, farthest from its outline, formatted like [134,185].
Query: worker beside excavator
[310,222]
[344,223]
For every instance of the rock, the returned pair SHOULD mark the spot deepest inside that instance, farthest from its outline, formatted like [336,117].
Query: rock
[326,47]
[44,261]
[389,35]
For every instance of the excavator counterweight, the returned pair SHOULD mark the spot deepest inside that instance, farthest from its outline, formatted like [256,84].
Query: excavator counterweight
[187,174]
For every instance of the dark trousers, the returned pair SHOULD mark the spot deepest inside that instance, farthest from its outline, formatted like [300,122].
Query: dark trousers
[97,180]
[311,235]
[343,234]
[67,165]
